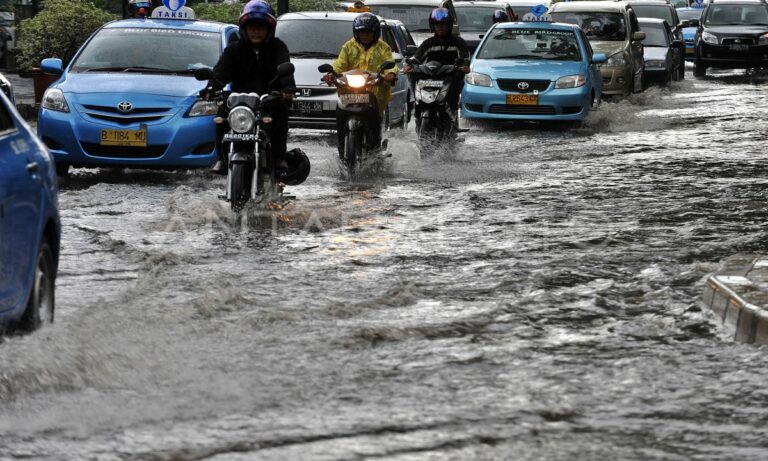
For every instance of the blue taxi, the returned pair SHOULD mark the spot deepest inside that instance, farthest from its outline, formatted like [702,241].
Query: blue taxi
[533,70]
[30,227]
[129,97]
[691,14]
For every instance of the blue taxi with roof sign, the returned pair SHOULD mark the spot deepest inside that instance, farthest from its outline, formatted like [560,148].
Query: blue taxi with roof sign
[691,14]
[533,70]
[129,97]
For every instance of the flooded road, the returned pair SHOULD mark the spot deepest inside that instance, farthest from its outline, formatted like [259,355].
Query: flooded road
[533,297]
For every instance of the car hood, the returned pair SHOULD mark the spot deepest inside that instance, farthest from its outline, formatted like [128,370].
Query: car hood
[655,53]
[306,73]
[127,83]
[609,48]
[737,30]
[551,70]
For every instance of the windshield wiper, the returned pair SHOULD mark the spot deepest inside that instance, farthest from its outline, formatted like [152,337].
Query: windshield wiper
[125,69]
[100,69]
[313,54]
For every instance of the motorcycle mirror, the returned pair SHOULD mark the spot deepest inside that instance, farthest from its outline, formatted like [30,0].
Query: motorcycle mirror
[285,69]
[203,73]
[325,68]
[386,65]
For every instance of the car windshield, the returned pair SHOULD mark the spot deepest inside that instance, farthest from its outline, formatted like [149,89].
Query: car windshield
[654,11]
[314,38]
[735,14]
[540,44]
[687,15]
[477,19]
[134,50]
[655,35]
[596,26]
[415,18]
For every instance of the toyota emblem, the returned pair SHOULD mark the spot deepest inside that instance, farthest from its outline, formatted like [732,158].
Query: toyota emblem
[306,92]
[125,106]
[523,85]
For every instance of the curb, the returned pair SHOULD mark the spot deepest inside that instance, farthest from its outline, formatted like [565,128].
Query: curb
[738,295]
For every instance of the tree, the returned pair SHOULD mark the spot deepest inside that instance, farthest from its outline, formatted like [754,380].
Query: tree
[229,13]
[57,31]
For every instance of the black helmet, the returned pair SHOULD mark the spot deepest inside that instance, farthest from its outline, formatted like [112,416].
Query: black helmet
[298,167]
[500,16]
[367,21]
[439,16]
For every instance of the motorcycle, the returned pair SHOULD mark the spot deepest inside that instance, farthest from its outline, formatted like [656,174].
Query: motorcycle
[252,169]
[434,121]
[358,107]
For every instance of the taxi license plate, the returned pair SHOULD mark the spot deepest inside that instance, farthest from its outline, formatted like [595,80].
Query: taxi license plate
[137,138]
[689,51]
[347,99]
[523,99]
[308,106]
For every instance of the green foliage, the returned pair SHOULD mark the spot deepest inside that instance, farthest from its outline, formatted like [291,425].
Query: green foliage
[57,31]
[230,13]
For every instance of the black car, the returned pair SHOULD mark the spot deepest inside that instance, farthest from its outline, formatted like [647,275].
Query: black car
[663,9]
[733,34]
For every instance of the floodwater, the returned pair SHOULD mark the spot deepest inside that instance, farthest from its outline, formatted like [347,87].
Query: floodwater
[534,296]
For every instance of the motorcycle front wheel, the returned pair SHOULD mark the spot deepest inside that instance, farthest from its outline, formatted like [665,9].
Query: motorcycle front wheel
[353,148]
[238,186]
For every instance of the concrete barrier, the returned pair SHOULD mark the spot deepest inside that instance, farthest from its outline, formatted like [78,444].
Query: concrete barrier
[738,295]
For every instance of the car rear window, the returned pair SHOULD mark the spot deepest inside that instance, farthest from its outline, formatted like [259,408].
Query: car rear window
[415,18]
[655,11]
[314,38]
[476,19]
[596,26]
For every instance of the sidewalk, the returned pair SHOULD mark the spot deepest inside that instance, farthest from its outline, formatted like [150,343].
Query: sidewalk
[23,88]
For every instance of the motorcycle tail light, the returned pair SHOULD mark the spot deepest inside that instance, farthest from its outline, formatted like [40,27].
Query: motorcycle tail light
[266,120]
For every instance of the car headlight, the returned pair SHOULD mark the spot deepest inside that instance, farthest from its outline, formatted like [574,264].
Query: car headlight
[202,107]
[763,40]
[656,64]
[616,60]
[570,81]
[356,80]
[53,99]
[241,119]
[709,38]
[474,78]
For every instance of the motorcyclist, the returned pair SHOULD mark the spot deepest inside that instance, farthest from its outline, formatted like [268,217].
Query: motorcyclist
[366,51]
[250,65]
[447,49]
[500,16]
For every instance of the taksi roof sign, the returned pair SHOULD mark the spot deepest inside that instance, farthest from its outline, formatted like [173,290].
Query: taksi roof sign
[173,9]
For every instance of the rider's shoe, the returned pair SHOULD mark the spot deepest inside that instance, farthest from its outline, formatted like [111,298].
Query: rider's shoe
[220,167]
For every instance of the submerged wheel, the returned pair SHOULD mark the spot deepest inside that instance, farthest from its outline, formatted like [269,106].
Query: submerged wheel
[699,69]
[353,148]
[238,188]
[40,306]
[62,170]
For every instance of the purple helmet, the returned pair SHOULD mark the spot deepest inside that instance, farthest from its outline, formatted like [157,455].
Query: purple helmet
[257,11]
[500,16]
[439,16]
[366,21]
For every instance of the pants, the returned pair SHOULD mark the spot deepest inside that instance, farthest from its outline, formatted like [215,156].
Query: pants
[373,136]
[278,130]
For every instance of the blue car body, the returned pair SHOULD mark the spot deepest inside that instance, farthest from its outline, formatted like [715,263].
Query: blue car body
[490,103]
[29,212]
[689,33]
[159,105]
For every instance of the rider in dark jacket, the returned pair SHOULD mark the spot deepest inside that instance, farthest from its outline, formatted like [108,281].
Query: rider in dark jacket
[447,49]
[250,65]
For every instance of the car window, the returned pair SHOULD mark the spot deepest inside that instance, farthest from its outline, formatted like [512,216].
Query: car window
[399,37]
[415,17]
[540,44]
[587,45]
[127,48]
[407,35]
[655,35]
[233,36]
[655,11]
[6,121]
[476,19]
[389,38]
[633,21]
[308,38]
[735,14]
[687,15]
[596,26]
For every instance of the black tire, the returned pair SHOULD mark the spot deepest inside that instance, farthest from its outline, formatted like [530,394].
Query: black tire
[699,69]
[353,148]
[62,170]
[387,119]
[681,71]
[42,297]
[238,188]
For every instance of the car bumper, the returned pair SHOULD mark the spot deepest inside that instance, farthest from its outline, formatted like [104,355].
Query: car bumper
[180,142]
[554,104]
[723,57]
[616,80]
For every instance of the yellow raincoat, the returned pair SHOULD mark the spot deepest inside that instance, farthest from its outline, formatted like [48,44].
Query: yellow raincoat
[354,56]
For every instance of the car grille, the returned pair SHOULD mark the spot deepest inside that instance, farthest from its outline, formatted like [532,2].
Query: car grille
[521,109]
[508,84]
[136,115]
[97,150]
[315,91]
[738,41]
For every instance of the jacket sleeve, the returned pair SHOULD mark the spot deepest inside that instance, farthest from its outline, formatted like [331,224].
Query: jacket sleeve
[282,56]
[342,63]
[463,50]
[421,52]
[222,71]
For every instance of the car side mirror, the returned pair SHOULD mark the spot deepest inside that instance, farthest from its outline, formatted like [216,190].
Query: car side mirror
[481,36]
[599,58]
[638,36]
[386,65]
[203,73]
[285,69]
[52,66]
[410,50]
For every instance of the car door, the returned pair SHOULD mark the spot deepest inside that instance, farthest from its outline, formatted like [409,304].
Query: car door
[596,78]
[400,90]
[21,193]
[636,46]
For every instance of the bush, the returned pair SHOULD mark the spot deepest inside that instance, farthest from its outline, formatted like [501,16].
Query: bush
[231,12]
[57,31]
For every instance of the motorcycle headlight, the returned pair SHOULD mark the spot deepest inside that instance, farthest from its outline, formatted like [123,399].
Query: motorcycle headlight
[616,60]
[241,119]
[656,64]
[477,79]
[202,107]
[428,96]
[54,99]
[709,38]
[571,81]
[356,80]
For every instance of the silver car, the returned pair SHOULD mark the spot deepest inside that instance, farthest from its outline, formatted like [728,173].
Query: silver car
[315,39]
[413,13]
